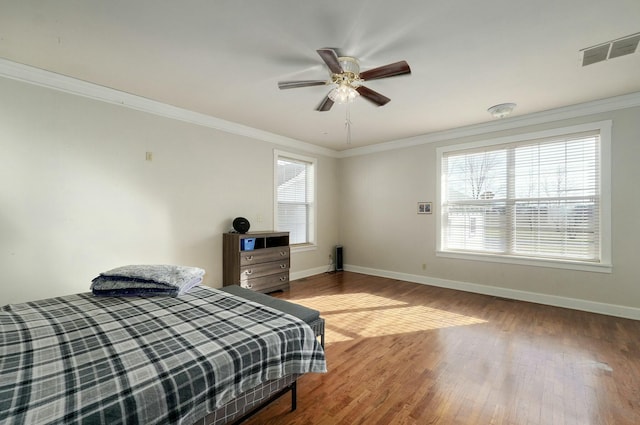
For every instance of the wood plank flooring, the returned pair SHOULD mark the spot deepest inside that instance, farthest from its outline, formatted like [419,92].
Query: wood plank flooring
[404,353]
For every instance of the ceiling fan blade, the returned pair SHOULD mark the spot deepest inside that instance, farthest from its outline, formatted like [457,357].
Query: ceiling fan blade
[391,70]
[330,57]
[303,83]
[325,105]
[373,96]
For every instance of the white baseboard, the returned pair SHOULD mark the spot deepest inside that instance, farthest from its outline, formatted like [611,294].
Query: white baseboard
[552,300]
[309,272]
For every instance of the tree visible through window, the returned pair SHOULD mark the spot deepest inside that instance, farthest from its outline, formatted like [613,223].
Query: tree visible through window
[531,198]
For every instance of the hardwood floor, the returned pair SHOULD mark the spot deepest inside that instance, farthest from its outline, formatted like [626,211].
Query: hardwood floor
[404,353]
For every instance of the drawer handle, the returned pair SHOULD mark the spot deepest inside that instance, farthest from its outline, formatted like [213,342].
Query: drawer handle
[283,253]
[248,272]
[283,266]
[283,279]
[249,257]
[249,285]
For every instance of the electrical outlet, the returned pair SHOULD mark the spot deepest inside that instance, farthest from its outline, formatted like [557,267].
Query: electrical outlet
[424,266]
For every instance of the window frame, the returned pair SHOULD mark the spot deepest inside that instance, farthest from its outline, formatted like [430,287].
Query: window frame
[312,223]
[605,263]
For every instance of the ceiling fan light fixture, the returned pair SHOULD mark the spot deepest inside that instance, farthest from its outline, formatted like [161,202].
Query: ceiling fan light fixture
[502,110]
[344,93]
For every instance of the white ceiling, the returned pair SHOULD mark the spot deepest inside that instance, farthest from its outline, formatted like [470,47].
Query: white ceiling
[224,58]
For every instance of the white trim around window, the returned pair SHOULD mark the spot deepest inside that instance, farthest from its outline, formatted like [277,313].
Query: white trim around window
[501,249]
[295,204]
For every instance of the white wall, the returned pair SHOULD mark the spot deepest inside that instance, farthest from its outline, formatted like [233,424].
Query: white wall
[77,196]
[382,233]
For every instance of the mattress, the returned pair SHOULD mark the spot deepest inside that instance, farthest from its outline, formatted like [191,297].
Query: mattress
[156,360]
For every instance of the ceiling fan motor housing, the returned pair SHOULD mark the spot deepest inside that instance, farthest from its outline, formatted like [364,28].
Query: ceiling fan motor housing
[350,72]
[349,64]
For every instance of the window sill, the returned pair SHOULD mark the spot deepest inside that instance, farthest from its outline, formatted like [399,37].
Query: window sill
[527,261]
[303,247]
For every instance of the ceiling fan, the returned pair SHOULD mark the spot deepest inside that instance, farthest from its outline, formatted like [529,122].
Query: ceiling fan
[347,79]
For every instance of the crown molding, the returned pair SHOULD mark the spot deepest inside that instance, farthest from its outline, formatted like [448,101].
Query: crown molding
[551,115]
[63,83]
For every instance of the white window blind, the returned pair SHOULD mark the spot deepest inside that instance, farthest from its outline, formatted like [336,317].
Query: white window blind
[295,194]
[534,198]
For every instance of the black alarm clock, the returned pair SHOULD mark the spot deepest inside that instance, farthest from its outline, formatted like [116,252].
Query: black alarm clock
[241,225]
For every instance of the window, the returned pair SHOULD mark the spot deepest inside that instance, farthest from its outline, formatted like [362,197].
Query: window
[295,206]
[535,199]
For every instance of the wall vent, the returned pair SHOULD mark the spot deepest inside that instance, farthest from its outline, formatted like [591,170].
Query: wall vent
[611,49]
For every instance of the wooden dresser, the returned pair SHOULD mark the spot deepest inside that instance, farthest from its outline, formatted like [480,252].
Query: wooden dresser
[265,268]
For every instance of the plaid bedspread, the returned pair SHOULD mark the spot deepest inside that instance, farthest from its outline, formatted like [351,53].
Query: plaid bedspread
[158,360]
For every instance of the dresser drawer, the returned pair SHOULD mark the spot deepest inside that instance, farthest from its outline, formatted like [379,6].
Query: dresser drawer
[263,269]
[264,283]
[264,255]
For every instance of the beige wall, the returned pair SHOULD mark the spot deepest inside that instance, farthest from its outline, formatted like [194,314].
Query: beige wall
[77,196]
[383,234]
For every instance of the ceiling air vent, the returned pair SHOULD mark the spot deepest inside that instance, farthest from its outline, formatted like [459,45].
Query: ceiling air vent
[610,49]
[625,46]
[595,54]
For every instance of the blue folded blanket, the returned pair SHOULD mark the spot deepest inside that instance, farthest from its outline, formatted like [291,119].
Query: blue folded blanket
[147,280]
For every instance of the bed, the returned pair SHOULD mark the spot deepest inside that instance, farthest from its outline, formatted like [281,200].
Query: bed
[207,356]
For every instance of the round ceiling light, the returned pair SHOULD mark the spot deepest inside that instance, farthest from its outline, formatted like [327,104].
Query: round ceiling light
[502,110]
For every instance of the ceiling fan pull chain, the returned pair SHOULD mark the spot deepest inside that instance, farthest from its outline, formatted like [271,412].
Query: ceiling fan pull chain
[347,124]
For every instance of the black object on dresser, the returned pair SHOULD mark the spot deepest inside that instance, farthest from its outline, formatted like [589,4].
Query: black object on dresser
[256,260]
